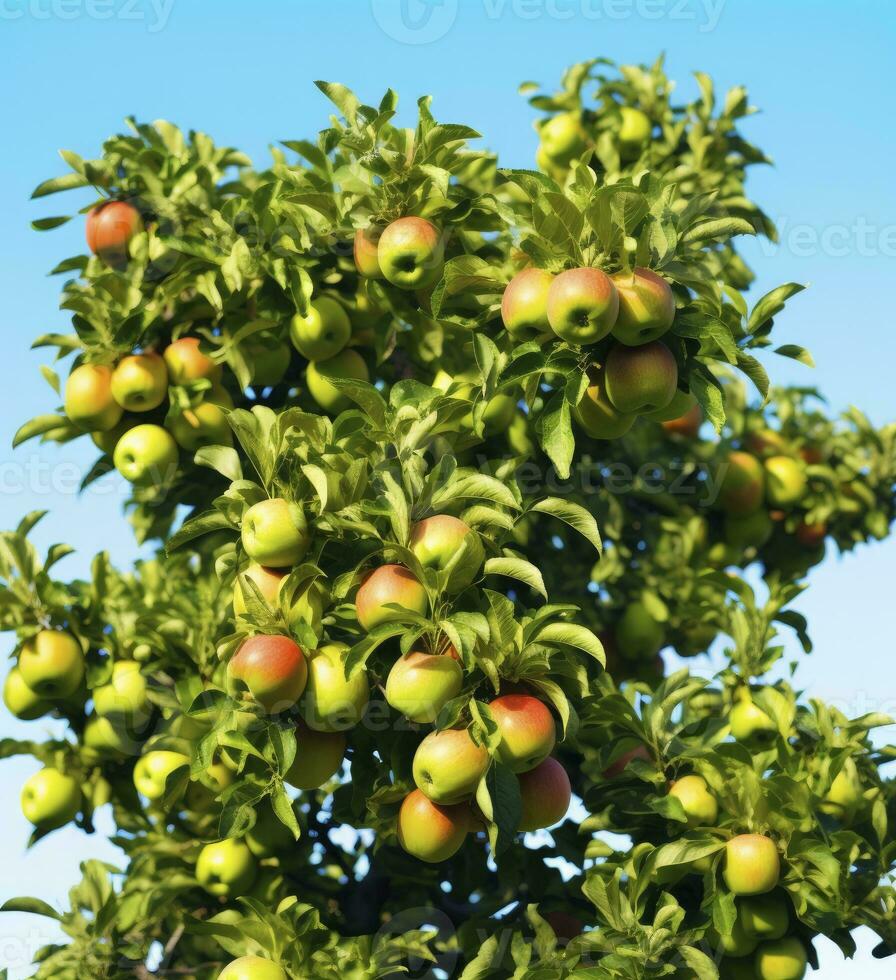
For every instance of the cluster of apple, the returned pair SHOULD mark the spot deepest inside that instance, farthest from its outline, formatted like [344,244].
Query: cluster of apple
[564,138]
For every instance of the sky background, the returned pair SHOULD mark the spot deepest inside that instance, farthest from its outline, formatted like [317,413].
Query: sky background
[71,70]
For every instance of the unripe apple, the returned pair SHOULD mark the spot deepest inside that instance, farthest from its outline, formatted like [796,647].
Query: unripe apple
[323,332]
[102,739]
[596,414]
[124,695]
[275,533]
[365,251]
[307,606]
[781,959]
[274,670]
[563,137]
[421,684]
[845,793]
[752,865]
[766,916]
[411,253]
[545,793]
[448,765]
[268,360]
[736,944]
[332,701]
[634,132]
[318,758]
[204,425]
[269,836]
[641,379]
[346,364]
[20,700]
[252,968]
[638,635]
[431,831]
[52,664]
[387,595]
[186,363]
[646,307]
[749,531]
[686,425]
[88,398]
[146,455]
[743,485]
[548,165]
[109,228]
[436,540]
[107,441]
[785,481]
[526,728]
[747,719]
[524,305]
[226,868]
[50,799]
[140,382]
[681,402]
[698,803]
[153,769]
[582,305]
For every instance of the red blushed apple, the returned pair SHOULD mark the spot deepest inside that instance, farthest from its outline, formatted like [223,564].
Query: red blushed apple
[545,794]
[88,398]
[646,307]
[594,412]
[430,831]
[752,864]
[688,425]
[109,229]
[641,379]
[187,363]
[811,535]
[274,670]
[743,485]
[582,305]
[527,730]
[524,305]
[365,252]
[618,767]
[389,594]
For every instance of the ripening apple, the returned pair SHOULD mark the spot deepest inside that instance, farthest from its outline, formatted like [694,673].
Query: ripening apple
[596,414]
[748,719]
[365,251]
[563,137]
[526,729]
[435,541]
[102,739]
[752,865]
[275,533]
[646,307]
[109,229]
[346,364]
[524,305]
[781,959]
[811,535]
[686,425]
[319,756]
[743,485]
[387,595]
[551,167]
[411,253]
[140,382]
[641,379]
[420,684]
[146,455]
[323,332]
[274,670]
[765,916]
[153,769]
[107,441]
[448,765]
[748,531]
[699,805]
[268,360]
[226,868]
[582,305]
[785,481]
[50,799]
[307,606]
[124,694]
[545,793]
[20,700]
[204,425]
[431,831]
[52,664]
[332,701]
[186,363]
[634,132]
[845,793]
[88,398]
[681,402]
[737,944]
[252,968]
[766,442]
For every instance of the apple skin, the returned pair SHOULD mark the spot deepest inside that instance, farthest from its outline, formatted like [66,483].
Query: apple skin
[346,364]
[20,700]
[385,586]
[811,535]
[275,533]
[102,740]
[332,702]
[146,455]
[269,836]
[252,968]
[781,959]
[747,719]
[448,765]
[785,481]
[524,305]
[646,307]
[634,132]
[638,635]
[52,664]
[681,402]
[307,607]
[686,425]
[751,531]
[204,425]
[411,253]
[699,804]
[226,868]
[743,486]
[752,865]
[365,252]
[124,695]
[324,332]
[153,769]
[109,229]
[545,793]
[273,668]
[88,398]
[186,363]
[845,793]
[140,382]
[268,361]
[641,379]
[436,540]
[50,799]
[527,730]
[738,944]
[596,415]
[582,305]
[766,917]
[557,171]
[562,137]
[420,684]
[319,757]
[431,831]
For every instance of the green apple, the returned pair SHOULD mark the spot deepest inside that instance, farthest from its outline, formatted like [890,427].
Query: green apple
[365,252]
[109,228]
[557,171]
[737,944]
[411,253]
[226,868]
[269,836]
[20,700]
[750,531]
[103,739]
[204,425]
[646,307]
[435,541]
[347,364]
[681,403]
[742,487]
[201,793]
[52,664]
[274,670]
[747,719]
[268,360]
[146,455]
[448,765]
[563,137]
[318,758]
[641,379]
[700,806]
[526,730]
[107,441]
[252,968]
[275,533]
[845,793]
[323,332]
[634,132]
[582,305]
[596,414]
[782,959]
[524,305]
[545,793]
[638,635]
[153,769]
[140,382]
[88,398]
[124,695]
[766,916]
[389,594]
[420,684]
[752,864]
[332,701]
[50,799]
[186,363]
[430,831]
[785,481]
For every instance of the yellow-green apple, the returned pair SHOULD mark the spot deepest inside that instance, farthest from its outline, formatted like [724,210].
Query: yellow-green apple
[124,694]
[346,364]
[267,359]
[20,700]
[201,793]
[638,635]
[749,531]
[107,441]
[323,332]
[50,799]
[686,425]
[582,305]
[563,137]
[524,305]
[307,606]
[318,757]
[845,793]
[269,836]
[420,684]
[103,739]
[364,249]
[432,831]
[634,132]
[641,379]
[500,411]
[766,916]
[699,805]
[109,229]
[140,382]
[448,765]
[226,868]
[437,540]
[146,455]
[596,414]
[737,944]
[752,865]
[203,425]
[781,959]
[646,307]
[526,729]
[743,484]
[186,362]
[153,769]
[550,166]
[545,794]
[785,481]
[389,594]
[332,701]
[274,670]
[411,253]
[681,402]
[275,533]
[252,968]
[748,719]
[88,398]
[52,664]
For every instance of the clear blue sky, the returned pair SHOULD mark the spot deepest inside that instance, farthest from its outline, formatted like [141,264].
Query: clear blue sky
[242,72]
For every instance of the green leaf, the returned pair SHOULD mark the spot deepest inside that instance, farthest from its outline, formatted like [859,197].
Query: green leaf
[34,906]
[574,515]
[570,634]
[797,353]
[519,569]
[555,434]
[66,182]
